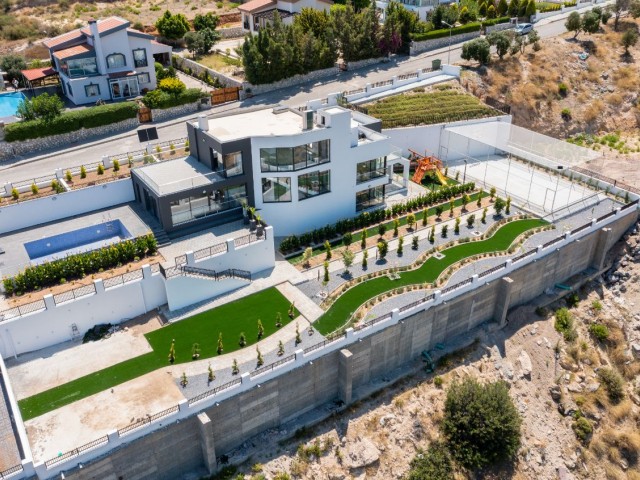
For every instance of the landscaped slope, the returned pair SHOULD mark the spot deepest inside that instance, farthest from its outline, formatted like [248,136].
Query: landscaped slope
[443,104]
[428,272]
[230,319]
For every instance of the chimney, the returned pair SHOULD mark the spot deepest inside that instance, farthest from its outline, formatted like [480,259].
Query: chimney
[97,46]
[203,123]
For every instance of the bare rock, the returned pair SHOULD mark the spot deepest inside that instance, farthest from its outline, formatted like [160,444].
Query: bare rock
[525,363]
[555,392]
[361,454]
[574,387]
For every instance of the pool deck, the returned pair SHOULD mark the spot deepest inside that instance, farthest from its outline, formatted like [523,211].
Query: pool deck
[16,257]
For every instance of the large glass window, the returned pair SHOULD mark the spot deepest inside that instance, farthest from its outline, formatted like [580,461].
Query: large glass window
[276,189]
[116,60]
[233,164]
[92,90]
[81,67]
[370,198]
[314,184]
[371,169]
[144,78]
[140,57]
[207,203]
[286,159]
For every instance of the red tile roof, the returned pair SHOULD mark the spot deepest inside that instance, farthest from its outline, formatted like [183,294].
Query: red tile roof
[73,51]
[65,37]
[106,25]
[254,5]
[38,73]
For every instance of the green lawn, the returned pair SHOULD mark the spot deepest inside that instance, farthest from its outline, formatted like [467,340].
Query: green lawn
[373,229]
[230,319]
[340,312]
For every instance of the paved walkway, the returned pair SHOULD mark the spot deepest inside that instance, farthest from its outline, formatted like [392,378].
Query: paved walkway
[310,310]
[9,453]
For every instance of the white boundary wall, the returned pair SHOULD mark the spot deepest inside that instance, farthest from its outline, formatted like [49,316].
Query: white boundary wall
[115,440]
[55,207]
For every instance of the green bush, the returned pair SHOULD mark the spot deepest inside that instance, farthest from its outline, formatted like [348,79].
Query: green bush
[79,265]
[433,34]
[613,384]
[599,331]
[161,100]
[434,464]
[481,424]
[582,428]
[71,121]
[564,324]
[495,21]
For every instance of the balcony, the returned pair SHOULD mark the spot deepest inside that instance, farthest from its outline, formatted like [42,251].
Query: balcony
[371,175]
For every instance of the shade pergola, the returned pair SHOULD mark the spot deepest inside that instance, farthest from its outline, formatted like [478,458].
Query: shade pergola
[36,77]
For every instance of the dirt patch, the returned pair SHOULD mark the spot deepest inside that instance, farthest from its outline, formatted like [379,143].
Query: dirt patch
[71,360]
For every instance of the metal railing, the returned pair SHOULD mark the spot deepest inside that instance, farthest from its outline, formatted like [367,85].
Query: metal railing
[271,366]
[498,105]
[523,255]
[229,273]
[370,323]
[552,242]
[492,270]
[146,421]
[214,391]
[78,292]
[250,238]
[604,178]
[209,251]
[77,451]
[11,471]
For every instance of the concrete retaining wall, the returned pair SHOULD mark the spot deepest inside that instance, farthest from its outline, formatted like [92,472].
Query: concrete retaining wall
[197,69]
[335,372]
[161,115]
[417,48]
[65,140]
[75,202]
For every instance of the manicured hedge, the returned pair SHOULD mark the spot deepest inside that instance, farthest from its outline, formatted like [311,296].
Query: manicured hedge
[79,265]
[374,217]
[160,99]
[433,34]
[495,21]
[71,121]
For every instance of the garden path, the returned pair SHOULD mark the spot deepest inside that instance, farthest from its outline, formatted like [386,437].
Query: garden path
[310,310]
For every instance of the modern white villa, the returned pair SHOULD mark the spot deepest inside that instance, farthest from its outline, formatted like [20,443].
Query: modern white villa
[420,7]
[256,14]
[298,168]
[107,60]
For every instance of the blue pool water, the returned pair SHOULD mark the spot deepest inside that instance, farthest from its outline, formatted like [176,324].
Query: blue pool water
[82,240]
[9,103]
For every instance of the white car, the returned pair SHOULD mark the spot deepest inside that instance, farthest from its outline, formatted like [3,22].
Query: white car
[523,28]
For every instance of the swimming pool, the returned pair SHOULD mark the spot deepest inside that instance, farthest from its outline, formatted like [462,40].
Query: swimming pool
[76,241]
[9,103]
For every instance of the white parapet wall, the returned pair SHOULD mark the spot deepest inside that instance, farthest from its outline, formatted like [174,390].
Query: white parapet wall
[55,207]
[54,323]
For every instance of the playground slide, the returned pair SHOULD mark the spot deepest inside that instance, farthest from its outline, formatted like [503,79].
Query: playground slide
[441,177]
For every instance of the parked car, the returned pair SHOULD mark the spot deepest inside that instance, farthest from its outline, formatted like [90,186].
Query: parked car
[523,28]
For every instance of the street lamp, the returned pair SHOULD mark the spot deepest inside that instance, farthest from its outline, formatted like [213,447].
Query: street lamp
[464,175]
[449,49]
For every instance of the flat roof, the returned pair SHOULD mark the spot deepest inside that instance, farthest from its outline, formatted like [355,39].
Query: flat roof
[176,175]
[259,123]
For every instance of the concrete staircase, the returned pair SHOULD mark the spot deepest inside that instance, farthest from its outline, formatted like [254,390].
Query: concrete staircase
[156,228]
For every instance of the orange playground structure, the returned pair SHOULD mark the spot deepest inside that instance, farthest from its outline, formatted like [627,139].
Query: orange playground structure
[426,164]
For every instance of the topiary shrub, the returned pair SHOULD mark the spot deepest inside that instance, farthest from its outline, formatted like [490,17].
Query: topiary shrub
[481,424]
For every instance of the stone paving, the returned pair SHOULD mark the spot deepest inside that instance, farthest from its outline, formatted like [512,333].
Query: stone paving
[9,453]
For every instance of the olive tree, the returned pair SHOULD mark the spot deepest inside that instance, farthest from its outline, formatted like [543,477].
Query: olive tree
[478,49]
[502,42]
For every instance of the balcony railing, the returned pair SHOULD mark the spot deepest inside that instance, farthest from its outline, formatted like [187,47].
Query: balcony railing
[371,175]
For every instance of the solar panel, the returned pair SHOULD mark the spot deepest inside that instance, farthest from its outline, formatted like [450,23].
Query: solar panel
[147,134]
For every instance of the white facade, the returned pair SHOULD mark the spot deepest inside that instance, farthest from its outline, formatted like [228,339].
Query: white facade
[256,14]
[106,61]
[421,8]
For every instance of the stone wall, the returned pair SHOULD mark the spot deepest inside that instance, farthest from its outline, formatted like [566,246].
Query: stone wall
[65,140]
[427,45]
[499,27]
[233,32]
[291,81]
[197,69]
[366,63]
[161,115]
[338,375]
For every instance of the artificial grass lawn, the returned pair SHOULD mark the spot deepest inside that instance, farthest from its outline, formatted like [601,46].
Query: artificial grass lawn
[231,319]
[373,229]
[342,309]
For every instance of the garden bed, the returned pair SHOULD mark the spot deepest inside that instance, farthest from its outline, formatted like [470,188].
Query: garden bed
[349,301]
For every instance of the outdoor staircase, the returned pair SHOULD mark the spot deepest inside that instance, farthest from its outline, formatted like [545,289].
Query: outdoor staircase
[156,228]
[217,276]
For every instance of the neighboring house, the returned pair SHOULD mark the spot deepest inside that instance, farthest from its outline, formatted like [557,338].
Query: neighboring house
[421,8]
[107,60]
[256,14]
[299,169]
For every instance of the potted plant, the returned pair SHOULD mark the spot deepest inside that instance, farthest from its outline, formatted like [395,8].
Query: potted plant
[260,226]
[245,213]
[252,219]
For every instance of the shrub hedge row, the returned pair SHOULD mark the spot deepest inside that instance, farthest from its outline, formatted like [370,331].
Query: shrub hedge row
[79,265]
[71,121]
[160,99]
[495,21]
[367,219]
[433,34]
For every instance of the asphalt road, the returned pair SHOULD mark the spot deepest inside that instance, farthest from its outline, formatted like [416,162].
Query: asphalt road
[44,164]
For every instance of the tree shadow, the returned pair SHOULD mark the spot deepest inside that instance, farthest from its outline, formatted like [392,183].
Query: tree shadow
[626,57]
